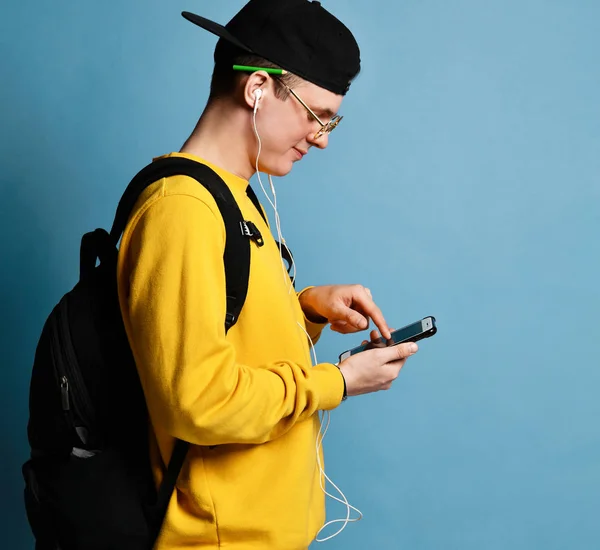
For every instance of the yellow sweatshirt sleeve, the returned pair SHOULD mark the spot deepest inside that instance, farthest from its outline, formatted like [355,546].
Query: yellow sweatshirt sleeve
[176,305]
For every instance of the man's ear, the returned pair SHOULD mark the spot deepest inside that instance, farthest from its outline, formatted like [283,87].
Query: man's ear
[255,88]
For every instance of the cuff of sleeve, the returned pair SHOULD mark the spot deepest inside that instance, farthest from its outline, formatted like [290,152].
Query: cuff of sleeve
[314,329]
[334,386]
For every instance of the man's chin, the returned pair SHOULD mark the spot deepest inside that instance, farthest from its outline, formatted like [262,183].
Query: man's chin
[279,171]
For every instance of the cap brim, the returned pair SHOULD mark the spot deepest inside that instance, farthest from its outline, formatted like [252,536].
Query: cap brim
[215,28]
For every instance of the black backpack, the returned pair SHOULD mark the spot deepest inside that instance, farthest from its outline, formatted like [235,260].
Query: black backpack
[88,483]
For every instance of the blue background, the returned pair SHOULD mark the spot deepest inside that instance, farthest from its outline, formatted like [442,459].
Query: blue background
[463,183]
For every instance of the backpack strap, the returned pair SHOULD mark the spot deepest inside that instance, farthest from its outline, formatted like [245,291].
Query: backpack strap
[236,258]
[286,253]
[252,196]
[164,168]
[168,485]
[237,250]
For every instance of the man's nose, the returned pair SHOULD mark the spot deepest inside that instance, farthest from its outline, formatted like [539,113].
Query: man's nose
[320,143]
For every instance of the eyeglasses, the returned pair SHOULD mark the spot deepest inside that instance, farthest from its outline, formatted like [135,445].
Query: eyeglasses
[326,128]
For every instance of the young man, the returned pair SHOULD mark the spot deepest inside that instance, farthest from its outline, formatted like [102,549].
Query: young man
[248,400]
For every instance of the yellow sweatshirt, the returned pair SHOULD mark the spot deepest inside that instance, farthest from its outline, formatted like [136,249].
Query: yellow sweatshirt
[246,401]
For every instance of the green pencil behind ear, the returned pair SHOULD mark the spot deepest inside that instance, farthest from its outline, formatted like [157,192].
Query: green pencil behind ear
[268,70]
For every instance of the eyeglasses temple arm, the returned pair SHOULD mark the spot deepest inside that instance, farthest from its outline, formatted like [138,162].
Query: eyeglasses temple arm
[305,105]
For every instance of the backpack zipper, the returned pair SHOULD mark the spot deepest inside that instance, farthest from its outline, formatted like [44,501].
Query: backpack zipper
[64,394]
[59,371]
[73,392]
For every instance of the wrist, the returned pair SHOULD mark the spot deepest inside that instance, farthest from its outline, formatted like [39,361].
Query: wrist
[345,394]
[308,307]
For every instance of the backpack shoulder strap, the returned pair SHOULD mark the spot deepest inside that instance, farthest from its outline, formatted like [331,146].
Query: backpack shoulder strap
[237,247]
[286,253]
[236,258]
[167,486]
[252,196]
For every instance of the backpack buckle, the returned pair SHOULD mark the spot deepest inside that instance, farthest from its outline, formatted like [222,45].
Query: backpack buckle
[251,231]
[229,320]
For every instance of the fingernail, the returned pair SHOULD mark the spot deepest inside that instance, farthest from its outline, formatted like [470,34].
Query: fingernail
[413,348]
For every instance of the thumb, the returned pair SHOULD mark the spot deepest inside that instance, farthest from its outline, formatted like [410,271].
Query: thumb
[396,353]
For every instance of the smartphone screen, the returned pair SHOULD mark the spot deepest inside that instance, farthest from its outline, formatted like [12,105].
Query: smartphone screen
[416,331]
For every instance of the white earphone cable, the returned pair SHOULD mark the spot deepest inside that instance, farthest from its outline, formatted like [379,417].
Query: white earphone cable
[323,476]
[273,202]
[322,432]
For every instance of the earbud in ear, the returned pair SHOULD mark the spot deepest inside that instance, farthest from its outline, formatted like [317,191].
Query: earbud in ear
[258,93]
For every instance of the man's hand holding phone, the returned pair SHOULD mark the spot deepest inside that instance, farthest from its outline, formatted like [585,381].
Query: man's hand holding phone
[374,365]
[375,369]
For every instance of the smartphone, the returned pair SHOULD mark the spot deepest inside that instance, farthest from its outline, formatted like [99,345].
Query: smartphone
[424,328]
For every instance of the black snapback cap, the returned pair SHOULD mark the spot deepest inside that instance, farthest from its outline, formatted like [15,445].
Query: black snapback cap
[298,35]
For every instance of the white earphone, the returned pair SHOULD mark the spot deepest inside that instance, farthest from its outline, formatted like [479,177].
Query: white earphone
[258,93]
